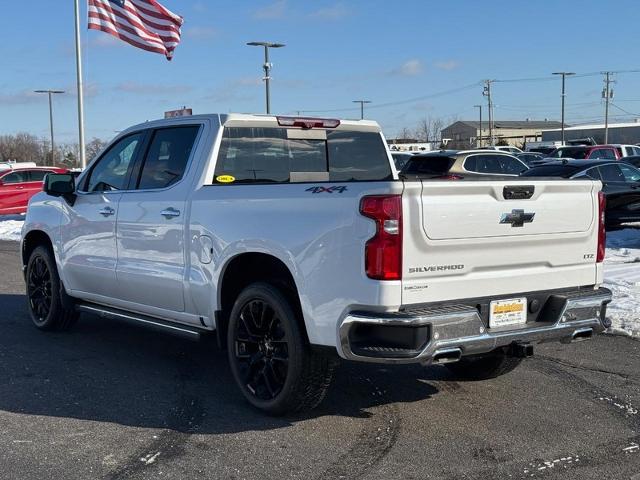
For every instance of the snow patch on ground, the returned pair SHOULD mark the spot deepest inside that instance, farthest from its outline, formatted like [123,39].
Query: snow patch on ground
[622,276]
[621,272]
[10,227]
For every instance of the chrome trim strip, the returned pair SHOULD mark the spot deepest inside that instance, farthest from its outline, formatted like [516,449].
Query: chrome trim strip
[146,321]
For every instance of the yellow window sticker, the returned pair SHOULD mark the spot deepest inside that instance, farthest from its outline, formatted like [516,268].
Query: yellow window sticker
[225,178]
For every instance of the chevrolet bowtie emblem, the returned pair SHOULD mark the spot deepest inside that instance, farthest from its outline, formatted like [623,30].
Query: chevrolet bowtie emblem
[517,218]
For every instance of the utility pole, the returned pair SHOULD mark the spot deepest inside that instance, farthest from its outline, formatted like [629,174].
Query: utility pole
[479,139]
[607,94]
[361,102]
[487,93]
[564,74]
[267,66]
[50,93]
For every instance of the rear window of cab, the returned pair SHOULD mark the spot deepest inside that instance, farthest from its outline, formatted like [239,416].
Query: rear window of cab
[279,155]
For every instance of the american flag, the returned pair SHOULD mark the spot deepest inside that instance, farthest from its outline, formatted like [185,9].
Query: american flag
[142,23]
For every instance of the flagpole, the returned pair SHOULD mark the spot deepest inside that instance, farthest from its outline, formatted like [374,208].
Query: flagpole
[83,160]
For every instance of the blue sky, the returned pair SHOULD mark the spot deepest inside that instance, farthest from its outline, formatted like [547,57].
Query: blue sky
[337,51]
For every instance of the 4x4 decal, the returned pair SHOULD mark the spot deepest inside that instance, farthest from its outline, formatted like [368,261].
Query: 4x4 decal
[340,189]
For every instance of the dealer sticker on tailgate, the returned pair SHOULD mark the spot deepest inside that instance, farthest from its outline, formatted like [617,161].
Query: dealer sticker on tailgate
[507,312]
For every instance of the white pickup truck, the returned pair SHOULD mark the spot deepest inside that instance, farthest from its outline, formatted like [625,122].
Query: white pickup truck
[294,240]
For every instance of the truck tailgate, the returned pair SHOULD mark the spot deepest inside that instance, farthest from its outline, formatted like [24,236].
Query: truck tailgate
[468,239]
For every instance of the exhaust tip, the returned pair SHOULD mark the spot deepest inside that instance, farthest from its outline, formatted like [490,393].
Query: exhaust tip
[449,355]
[582,334]
[521,350]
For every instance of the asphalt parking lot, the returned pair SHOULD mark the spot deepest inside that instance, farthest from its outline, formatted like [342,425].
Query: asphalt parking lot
[112,401]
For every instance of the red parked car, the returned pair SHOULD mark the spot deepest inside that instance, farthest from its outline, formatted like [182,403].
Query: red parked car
[17,186]
[612,152]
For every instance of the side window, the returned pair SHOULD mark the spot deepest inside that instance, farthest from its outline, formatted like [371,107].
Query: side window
[604,153]
[512,166]
[489,164]
[593,173]
[611,173]
[471,164]
[111,172]
[630,174]
[15,177]
[167,157]
[37,175]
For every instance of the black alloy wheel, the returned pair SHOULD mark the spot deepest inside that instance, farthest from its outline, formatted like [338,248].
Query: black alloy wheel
[39,289]
[261,349]
[49,305]
[271,359]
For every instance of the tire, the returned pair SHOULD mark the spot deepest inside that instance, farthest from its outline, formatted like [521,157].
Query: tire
[47,307]
[270,358]
[484,367]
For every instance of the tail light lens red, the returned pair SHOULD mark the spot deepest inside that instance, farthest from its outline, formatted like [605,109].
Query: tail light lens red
[383,252]
[602,234]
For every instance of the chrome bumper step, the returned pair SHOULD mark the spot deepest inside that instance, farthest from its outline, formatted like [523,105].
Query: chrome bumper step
[461,329]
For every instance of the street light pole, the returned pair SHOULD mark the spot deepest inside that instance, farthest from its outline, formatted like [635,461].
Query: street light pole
[50,93]
[267,67]
[479,141]
[564,75]
[361,102]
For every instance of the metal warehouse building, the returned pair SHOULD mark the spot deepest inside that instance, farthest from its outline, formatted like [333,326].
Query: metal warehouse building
[618,133]
[467,133]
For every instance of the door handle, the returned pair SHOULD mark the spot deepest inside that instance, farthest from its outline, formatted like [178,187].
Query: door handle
[107,211]
[170,213]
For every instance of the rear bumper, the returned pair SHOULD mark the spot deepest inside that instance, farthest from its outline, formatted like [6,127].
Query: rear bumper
[459,329]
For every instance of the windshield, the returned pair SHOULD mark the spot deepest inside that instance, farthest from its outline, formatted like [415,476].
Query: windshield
[579,153]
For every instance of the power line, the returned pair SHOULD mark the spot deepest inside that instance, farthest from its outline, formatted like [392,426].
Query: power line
[400,102]
[625,111]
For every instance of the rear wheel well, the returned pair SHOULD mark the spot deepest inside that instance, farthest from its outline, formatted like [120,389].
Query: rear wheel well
[31,241]
[249,268]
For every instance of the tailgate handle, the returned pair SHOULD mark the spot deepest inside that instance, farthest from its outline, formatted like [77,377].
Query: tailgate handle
[518,192]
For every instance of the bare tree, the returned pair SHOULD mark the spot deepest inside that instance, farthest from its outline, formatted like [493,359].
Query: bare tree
[94,147]
[22,147]
[429,129]
[404,134]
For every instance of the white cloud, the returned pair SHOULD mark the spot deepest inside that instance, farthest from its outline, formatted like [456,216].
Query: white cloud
[240,89]
[447,65]
[200,7]
[200,32]
[409,68]
[335,12]
[273,11]
[104,40]
[19,98]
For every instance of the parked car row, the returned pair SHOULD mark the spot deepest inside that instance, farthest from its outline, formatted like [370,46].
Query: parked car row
[620,180]
[620,184]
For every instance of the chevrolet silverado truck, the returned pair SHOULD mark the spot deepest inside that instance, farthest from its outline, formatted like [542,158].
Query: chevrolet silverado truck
[294,240]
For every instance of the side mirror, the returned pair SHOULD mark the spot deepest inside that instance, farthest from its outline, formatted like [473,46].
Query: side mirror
[60,185]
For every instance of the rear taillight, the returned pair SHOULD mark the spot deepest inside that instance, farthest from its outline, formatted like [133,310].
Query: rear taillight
[602,234]
[383,252]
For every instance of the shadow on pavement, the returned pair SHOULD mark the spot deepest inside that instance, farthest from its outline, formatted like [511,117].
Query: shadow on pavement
[106,371]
